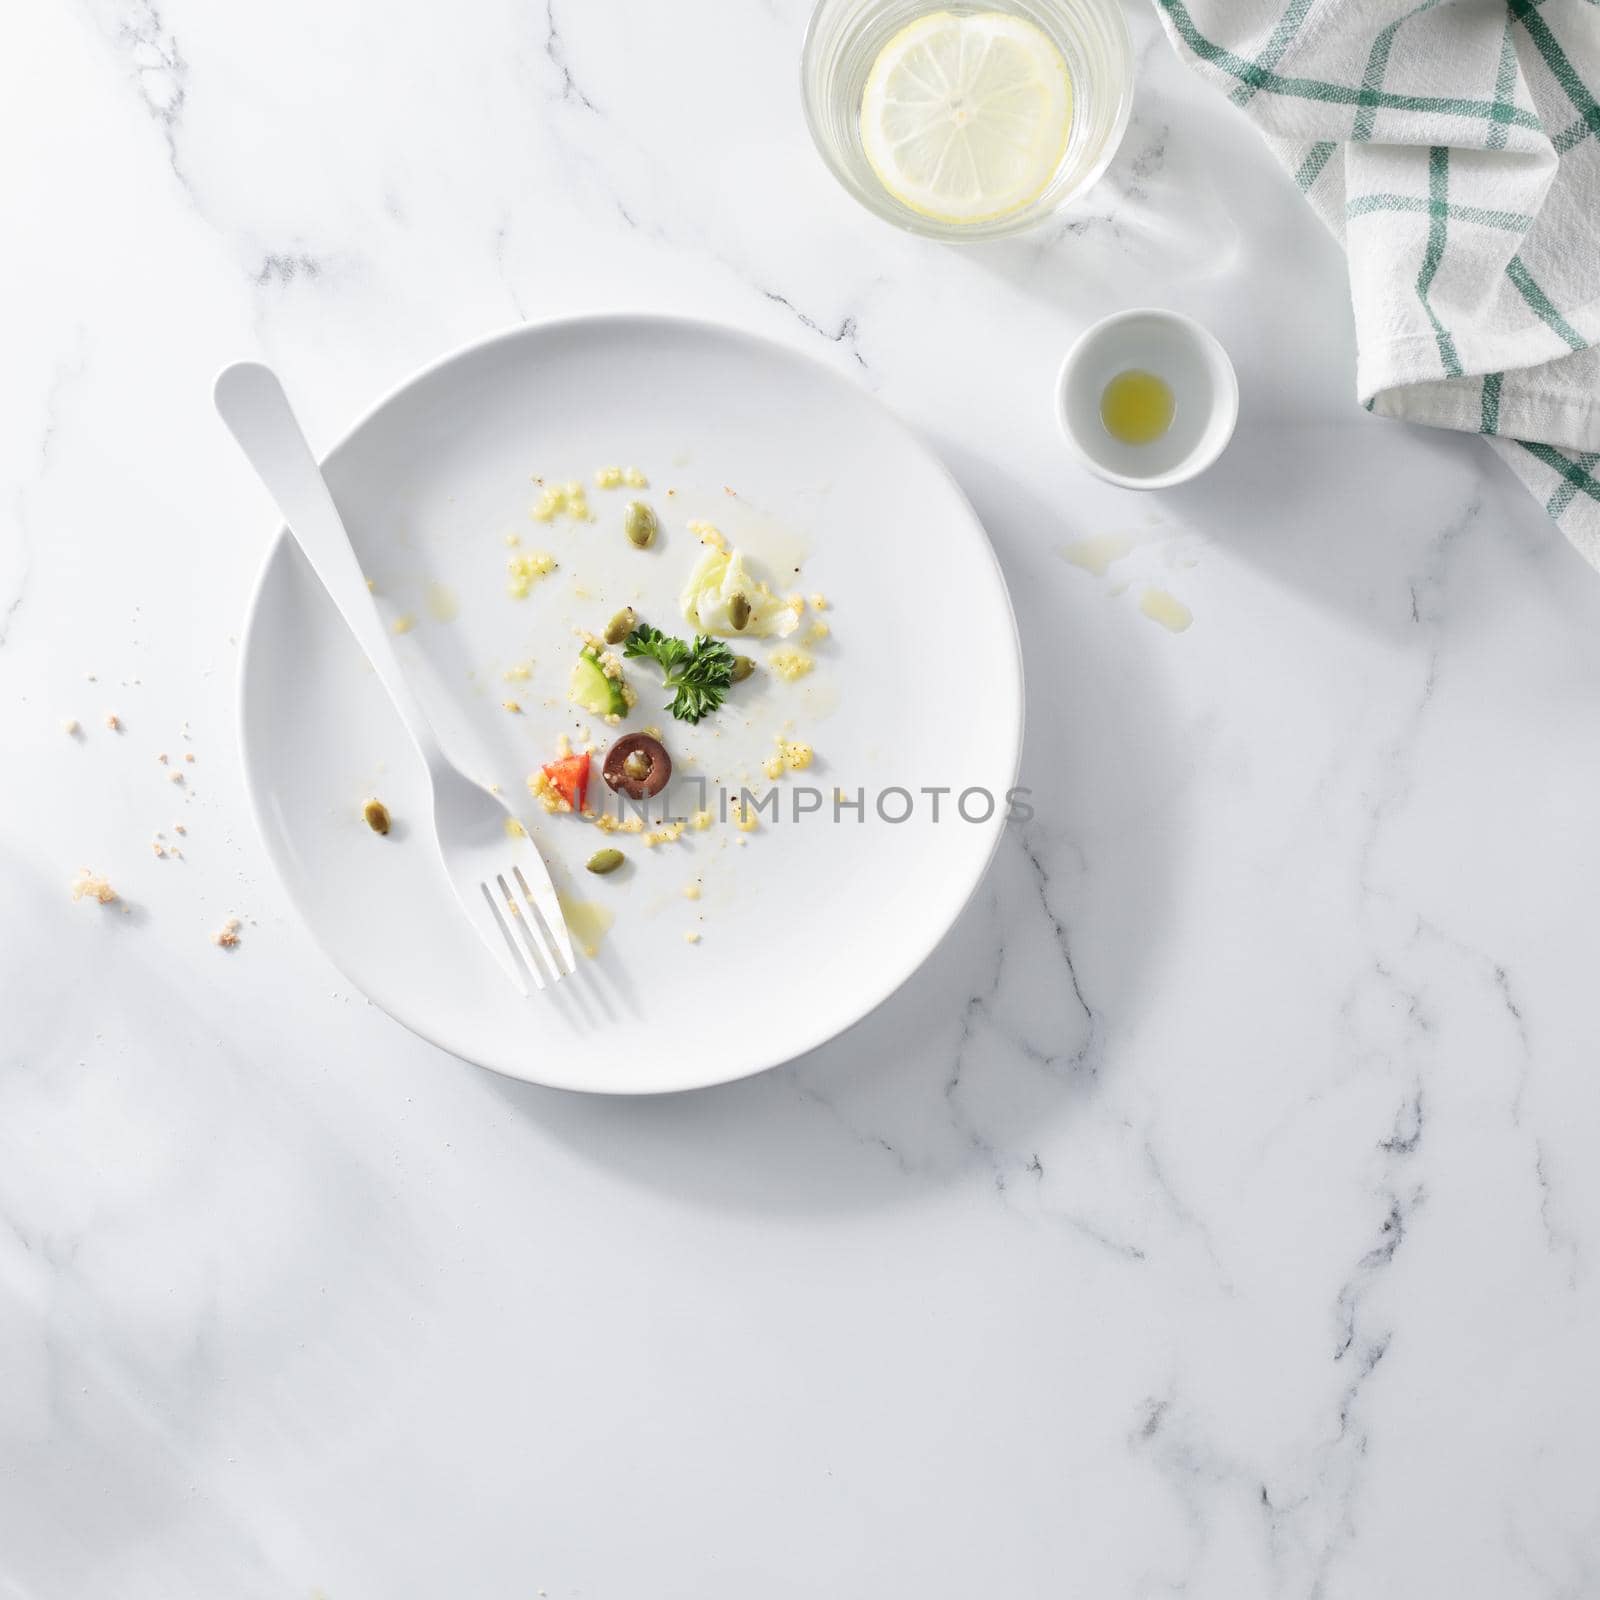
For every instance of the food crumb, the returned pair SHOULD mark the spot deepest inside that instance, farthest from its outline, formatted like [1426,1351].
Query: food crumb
[635,479]
[608,477]
[691,937]
[520,673]
[91,886]
[526,570]
[790,664]
[819,602]
[514,829]
[188,755]
[512,706]
[376,815]
[227,936]
[162,758]
[71,727]
[404,623]
[175,776]
[113,722]
[691,891]
[178,827]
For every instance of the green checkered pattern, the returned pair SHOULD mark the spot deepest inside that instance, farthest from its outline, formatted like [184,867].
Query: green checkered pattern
[1454,147]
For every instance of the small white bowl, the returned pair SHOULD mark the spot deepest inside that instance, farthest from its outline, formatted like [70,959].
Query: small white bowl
[1194,365]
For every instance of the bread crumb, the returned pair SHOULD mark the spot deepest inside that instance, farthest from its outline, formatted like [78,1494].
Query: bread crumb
[188,755]
[175,776]
[71,727]
[162,758]
[691,937]
[227,936]
[113,722]
[90,886]
[178,827]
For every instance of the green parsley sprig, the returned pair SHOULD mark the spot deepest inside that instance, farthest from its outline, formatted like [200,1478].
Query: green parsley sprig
[699,674]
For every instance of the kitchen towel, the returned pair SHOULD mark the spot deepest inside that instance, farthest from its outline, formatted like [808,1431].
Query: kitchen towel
[1454,147]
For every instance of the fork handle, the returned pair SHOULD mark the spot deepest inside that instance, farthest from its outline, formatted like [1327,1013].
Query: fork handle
[252,403]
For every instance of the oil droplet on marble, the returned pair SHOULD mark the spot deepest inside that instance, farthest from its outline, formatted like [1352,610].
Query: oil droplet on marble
[441,602]
[587,921]
[1096,555]
[1167,609]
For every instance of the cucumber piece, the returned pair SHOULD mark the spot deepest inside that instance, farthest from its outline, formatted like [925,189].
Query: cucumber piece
[592,689]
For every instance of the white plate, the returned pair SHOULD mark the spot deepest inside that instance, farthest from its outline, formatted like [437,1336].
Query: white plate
[805,926]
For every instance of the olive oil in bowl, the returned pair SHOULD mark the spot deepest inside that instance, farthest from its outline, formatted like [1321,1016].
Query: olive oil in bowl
[1137,407]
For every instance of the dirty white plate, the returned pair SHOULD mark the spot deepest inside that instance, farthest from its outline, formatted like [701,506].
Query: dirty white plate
[804,925]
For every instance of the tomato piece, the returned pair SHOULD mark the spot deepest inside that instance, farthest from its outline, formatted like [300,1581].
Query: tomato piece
[569,777]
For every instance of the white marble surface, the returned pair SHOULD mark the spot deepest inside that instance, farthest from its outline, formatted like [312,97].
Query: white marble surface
[1216,1212]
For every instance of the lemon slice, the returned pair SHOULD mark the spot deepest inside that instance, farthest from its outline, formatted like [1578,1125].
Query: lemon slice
[965,117]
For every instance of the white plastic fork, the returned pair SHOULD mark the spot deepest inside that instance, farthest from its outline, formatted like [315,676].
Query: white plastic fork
[497,874]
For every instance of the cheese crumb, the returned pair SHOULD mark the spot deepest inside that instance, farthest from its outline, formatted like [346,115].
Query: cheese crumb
[608,477]
[227,936]
[404,623]
[700,821]
[691,937]
[691,891]
[519,673]
[512,706]
[819,602]
[71,727]
[90,886]
[635,479]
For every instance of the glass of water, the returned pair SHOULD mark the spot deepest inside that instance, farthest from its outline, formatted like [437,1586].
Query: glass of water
[967,121]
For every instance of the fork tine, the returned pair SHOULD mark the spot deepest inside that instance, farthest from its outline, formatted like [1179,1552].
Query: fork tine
[512,913]
[555,939]
[512,962]
[528,944]
[541,893]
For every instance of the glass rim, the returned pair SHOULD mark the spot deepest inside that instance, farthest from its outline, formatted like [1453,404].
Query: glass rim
[1055,196]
